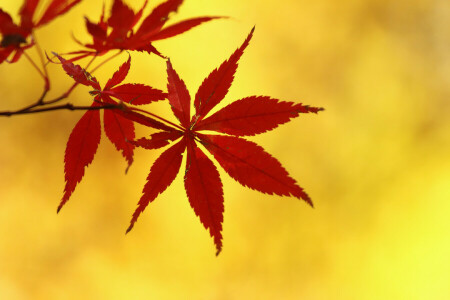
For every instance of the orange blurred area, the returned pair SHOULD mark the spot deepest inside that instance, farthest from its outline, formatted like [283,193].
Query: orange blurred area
[376,163]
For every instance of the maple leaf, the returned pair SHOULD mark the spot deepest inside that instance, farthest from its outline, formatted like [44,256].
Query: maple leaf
[245,161]
[118,123]
[14,37]
[117,32]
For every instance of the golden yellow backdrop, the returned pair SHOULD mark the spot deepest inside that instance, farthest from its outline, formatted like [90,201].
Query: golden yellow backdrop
[376,164]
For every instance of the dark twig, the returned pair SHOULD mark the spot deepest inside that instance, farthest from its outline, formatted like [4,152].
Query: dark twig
[44,105]
[44,66]
[67,106]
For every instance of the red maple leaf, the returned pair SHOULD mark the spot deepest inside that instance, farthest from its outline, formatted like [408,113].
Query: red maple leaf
[243,160]
[117,31]
[14,37]
[118,123]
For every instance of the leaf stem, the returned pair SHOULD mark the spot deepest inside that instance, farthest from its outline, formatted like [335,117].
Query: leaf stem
[104,62]
[44,66]
[160,118]
[46,85]
[35,66]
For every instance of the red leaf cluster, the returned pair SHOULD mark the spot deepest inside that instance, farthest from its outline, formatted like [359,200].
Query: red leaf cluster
[221,134]
[118,31]
[118,125]
[14,37]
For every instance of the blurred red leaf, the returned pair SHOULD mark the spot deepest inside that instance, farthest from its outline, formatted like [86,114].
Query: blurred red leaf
[14,37]
[55,9]
[119,31]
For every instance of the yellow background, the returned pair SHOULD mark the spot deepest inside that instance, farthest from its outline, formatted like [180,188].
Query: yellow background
[376,164]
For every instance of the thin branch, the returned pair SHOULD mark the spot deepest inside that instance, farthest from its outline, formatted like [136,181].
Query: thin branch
[34,65]
[44,66]
[67,106]
[39,102]
[44,104]
[104,62]
[46,86]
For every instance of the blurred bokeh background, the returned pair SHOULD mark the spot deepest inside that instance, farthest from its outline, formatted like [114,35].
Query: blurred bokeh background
[376,164]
